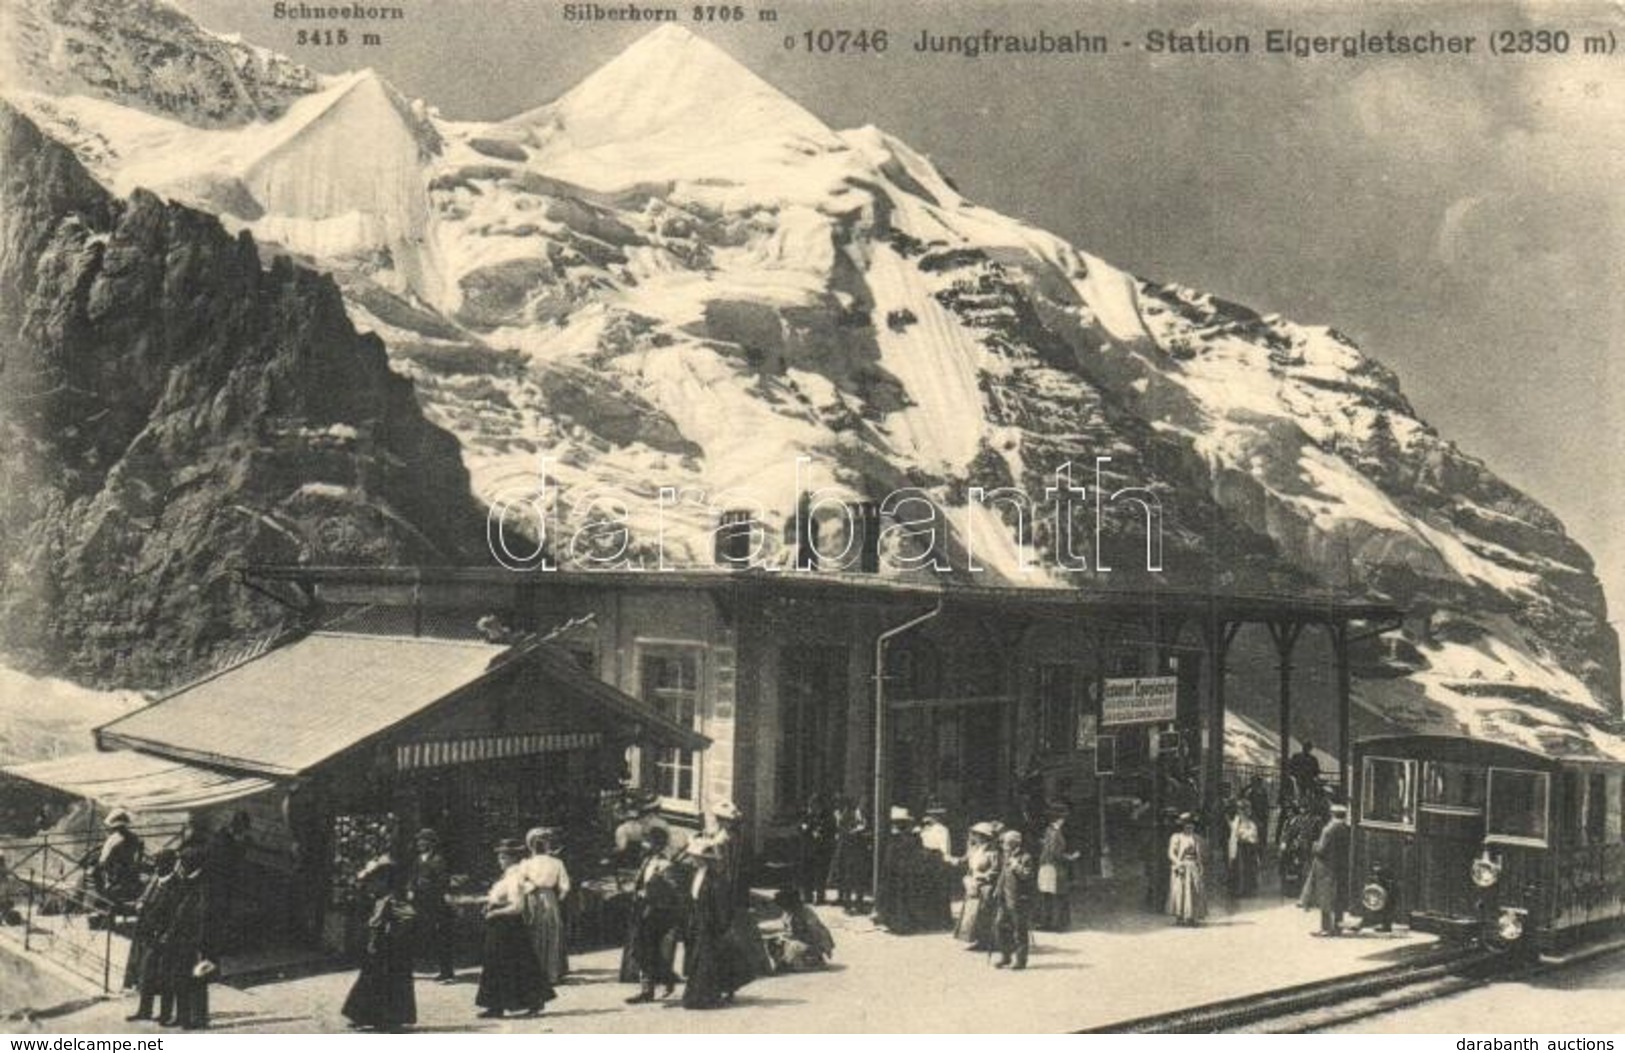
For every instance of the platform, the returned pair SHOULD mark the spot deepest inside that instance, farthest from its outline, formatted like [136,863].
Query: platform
[1115,965]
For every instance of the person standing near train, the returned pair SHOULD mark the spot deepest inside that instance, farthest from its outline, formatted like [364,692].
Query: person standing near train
[1327,888]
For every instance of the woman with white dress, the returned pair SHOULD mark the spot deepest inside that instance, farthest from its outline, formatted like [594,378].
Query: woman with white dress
[975,925]
[1242,853]
[544,882]
[1187,893]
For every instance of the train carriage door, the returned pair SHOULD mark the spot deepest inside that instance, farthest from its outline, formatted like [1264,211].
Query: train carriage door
[1450,831]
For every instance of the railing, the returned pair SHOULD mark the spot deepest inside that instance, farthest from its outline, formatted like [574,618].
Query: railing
[79,933]
[74,925]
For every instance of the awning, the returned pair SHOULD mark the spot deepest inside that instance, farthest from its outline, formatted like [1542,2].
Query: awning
[139,781]
[292,709]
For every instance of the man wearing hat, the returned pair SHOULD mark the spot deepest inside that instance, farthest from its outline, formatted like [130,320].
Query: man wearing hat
[656,914]
[1055,872]
[1013,895]
[428,884]
[187,943]
[144,968]
[116,870]
[1327,889]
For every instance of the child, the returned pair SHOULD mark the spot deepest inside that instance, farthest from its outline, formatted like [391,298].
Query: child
[805,944]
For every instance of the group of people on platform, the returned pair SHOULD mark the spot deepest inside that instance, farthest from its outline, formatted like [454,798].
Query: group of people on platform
[690,901]
[1004,890]
[689,920]
[184,913]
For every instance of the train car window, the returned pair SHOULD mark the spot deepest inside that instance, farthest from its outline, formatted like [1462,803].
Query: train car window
[1448,787]
[1517,806]
[1597,809]
[1390,792]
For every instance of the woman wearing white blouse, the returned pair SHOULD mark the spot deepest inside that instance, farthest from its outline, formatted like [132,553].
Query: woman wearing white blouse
[545,882]
[511,978]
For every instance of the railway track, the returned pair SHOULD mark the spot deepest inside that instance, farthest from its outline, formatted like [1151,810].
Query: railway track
[1308,1006]
[1341,1000]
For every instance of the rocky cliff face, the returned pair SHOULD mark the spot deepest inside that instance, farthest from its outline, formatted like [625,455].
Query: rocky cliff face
[174,408]
[147,55]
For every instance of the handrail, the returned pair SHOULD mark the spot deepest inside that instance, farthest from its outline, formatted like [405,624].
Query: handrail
[78,900]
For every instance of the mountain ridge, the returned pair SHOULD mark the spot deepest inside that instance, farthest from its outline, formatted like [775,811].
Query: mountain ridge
[600,293]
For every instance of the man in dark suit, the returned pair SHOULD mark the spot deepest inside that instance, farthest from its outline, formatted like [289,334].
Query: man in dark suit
[187,943]
[1328,886]
[225,872]
[429,884]
[656,914]
[1013,897]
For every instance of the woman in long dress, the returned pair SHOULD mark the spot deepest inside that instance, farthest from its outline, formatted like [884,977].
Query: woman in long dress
[747,956]
[707,954]
[545,883]
[511,977]
[1242,852]
[1187,894]
[382,996]
[975,926]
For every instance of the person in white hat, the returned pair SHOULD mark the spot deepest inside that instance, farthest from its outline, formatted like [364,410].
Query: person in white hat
[975,925]
[727,823]
[1013,896]
[896,906]
[545,882]
[1187,887]
[712,976]
[1327,888]
[382,997]
[745,957]
[116,869]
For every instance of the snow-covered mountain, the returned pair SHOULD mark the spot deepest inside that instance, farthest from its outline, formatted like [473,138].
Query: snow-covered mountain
[676,276]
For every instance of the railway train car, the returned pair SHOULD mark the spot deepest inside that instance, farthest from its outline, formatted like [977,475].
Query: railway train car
[1489,842]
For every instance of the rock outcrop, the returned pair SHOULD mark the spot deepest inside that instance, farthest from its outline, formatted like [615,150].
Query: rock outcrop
[174,408]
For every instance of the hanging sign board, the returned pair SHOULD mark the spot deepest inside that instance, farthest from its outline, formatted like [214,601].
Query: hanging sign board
[1140,700]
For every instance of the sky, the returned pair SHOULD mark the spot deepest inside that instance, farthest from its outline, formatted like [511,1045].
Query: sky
[1462,219]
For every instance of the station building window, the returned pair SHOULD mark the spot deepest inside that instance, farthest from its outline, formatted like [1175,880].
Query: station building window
[669,677]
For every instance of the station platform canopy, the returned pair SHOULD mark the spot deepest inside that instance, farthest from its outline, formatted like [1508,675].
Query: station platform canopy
[139,781]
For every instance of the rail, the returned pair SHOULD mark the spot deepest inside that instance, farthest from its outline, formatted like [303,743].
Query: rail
[79,933]
[66,920]
[1447,967]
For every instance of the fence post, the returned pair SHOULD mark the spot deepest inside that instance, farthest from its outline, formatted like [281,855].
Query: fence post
[28,921]
[107,951]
